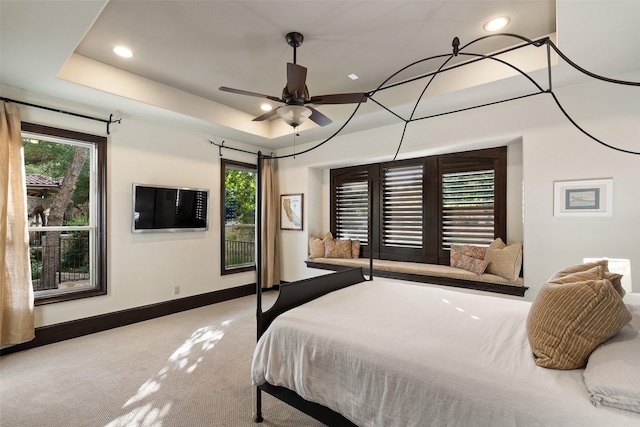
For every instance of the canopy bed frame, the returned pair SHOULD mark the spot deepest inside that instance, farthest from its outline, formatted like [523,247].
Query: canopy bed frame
[296,294]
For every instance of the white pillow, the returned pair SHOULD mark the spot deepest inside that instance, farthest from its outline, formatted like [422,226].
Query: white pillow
[612,374]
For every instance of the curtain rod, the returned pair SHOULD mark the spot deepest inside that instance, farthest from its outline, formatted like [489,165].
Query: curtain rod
[55,110]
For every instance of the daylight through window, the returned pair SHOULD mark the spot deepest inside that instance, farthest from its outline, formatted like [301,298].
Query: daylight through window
[64,197]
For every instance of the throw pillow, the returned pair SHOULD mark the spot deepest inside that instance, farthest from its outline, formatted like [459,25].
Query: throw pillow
[581,267]
[616,281]
[566,322]
[355,249]
[460,260]
[478,252]
[595,273]
[504,261]
[614,278]
[336,248]
[316,247]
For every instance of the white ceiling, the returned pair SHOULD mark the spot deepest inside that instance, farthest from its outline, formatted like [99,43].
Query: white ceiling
[185,50]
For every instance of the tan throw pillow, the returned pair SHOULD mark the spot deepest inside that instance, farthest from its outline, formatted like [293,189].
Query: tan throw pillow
[614,278]
[616,281]
[568,321]
[335,248]
[460,260]
[316,247]
[355,249]
[595,273]
[581,267]
[504,261]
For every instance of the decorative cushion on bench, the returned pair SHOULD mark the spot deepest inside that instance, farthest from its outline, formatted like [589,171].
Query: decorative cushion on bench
[504,261]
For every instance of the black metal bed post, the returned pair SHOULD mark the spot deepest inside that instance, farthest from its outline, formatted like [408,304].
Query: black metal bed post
[257,416]
[370,229]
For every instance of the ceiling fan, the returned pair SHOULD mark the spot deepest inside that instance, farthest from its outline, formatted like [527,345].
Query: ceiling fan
[295,95]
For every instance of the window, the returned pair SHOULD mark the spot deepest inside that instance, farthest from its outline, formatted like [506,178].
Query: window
[66,193]
[238,216]
[415,209]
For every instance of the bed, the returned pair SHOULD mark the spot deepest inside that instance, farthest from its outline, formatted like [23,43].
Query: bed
[350,351]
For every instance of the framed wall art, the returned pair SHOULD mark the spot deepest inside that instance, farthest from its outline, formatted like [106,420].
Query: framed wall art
[291,206]
[588,198]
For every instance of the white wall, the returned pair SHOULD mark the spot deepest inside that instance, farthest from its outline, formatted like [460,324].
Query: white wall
[543,147]
[144,268]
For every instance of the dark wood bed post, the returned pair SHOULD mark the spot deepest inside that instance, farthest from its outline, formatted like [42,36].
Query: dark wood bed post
[257,416]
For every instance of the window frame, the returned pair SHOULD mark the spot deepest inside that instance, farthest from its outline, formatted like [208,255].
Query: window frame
[223,167]
[433,166]
[99,260]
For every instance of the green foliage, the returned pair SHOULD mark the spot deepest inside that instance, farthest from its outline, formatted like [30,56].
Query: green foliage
[53,160]
[77,221]
[240,196]
[36,265]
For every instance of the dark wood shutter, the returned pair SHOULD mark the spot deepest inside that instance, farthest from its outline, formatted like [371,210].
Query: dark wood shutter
[351,212]
[402,206]
[468,208]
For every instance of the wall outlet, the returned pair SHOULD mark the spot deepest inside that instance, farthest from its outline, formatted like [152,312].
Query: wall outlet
[176,290]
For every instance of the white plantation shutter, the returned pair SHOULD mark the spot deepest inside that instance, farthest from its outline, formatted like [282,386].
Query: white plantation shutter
[352,208]
[468,209]
[402,198]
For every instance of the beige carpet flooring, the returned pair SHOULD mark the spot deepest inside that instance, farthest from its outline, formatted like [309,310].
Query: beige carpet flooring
[186,369]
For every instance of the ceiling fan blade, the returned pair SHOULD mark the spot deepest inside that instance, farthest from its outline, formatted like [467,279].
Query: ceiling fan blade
[266,115]
[246,92]
[319,118]
[296,78]
[339,98]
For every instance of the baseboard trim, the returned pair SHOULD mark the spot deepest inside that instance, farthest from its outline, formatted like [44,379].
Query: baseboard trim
[89,325]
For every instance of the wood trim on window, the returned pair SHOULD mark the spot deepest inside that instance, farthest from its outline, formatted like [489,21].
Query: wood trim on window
[101,210]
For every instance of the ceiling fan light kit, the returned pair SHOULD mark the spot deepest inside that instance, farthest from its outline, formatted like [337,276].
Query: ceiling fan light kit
[294,115]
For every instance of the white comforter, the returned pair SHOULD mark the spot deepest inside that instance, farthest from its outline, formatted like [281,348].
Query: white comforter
[390,354]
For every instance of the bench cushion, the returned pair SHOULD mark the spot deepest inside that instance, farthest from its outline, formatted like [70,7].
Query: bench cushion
[422,269]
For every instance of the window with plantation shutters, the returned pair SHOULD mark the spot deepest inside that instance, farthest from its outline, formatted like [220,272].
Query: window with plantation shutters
[414,209]
[468,208]
[402,206]
[352,207]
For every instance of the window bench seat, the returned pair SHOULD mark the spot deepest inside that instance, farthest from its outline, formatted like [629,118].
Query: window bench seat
[425,273]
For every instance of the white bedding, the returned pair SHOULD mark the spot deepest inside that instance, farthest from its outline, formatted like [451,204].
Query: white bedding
[390,354]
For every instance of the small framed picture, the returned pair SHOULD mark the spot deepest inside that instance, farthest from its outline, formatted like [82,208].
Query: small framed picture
[291,206]
[587,198]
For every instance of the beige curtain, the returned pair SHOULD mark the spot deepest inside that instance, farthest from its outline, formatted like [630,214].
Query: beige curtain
[16,292]
[270,238]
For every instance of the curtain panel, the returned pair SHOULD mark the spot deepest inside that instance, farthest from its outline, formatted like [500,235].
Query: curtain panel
[270,263]
[16,291]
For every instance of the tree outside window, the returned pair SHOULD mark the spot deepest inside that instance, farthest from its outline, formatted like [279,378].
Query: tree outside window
[63,198]
[238,216]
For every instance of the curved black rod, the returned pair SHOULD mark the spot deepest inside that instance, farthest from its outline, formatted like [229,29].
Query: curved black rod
[415,107]
[573,122]
[457,51]
[320,143]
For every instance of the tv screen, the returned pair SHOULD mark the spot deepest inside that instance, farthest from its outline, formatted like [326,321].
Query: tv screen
[160,208]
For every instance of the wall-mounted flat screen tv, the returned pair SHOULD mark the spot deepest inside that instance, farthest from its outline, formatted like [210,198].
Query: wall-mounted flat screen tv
[169,209]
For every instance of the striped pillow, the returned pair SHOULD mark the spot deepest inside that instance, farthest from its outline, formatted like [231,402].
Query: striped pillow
[614,278]
[567,321]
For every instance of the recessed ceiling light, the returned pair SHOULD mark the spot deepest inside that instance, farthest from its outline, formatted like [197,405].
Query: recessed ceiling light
[266,107]
[123,51]
[497,23]
[353,76]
